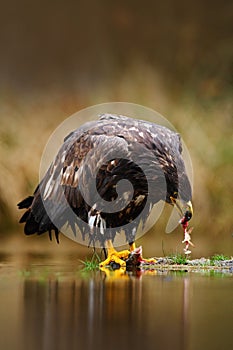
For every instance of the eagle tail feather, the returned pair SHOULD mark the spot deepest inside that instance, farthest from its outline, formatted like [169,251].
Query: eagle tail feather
[35,218]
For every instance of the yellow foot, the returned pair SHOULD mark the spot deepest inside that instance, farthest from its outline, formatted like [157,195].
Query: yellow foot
[115,257]
[124,258]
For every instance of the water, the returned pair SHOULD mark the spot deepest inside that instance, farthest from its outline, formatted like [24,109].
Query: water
[48,304]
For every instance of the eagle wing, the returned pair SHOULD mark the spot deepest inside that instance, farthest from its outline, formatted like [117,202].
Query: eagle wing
[70,182]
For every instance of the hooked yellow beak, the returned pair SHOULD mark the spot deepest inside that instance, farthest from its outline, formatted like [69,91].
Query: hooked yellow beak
[184,208]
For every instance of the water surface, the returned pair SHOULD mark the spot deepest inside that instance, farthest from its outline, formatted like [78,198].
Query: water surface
[49,304]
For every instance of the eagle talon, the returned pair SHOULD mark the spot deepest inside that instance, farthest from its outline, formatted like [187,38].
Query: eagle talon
[115,257]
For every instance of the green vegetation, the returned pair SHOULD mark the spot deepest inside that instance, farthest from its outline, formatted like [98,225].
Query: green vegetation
[178,259]
[218,257]
[91,265]
[24,273]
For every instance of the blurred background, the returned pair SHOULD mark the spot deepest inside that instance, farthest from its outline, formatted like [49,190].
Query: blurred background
[175,57]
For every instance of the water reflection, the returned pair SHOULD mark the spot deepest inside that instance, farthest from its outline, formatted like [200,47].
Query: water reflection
[103,312]
[161,311]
